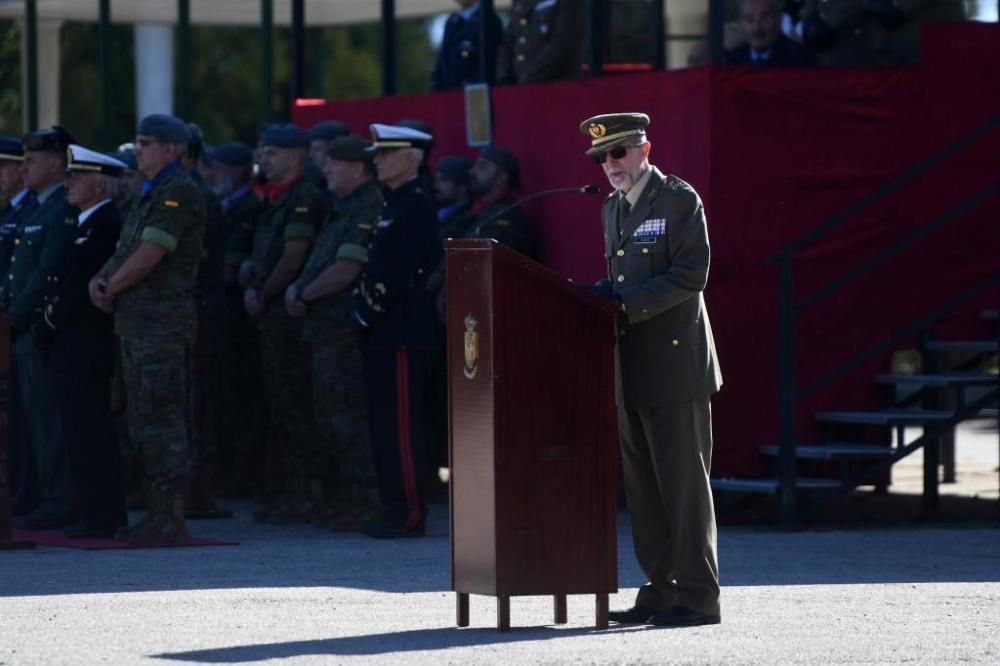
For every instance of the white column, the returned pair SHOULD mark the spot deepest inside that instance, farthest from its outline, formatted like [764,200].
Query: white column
[154,69]
[48,73]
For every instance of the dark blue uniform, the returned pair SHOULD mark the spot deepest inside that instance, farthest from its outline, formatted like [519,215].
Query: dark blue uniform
[458,58]
[79,343]
[398,312]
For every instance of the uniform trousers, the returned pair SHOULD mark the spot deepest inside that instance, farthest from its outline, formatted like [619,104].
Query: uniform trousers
[39,431]
[394,380]
[666,456]
[155,369]
[22,477]
[82,402]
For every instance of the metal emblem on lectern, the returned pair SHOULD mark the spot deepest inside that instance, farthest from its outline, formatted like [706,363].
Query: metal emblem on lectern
[471,347]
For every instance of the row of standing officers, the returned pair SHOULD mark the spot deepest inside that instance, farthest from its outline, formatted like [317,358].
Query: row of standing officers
[333,294]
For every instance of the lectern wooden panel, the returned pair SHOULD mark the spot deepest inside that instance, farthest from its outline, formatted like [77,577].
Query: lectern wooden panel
[533,435]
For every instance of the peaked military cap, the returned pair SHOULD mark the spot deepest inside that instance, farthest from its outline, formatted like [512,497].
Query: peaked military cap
[328,130]
[387,137]
[164,127]
[234,153]
[350,148]
[454,168]
[284,135]
[11,149]
[504,159]
[53,140]
[85,160]
[612,129]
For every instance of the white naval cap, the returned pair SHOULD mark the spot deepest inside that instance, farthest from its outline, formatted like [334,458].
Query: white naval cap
[85,160]
[393,136]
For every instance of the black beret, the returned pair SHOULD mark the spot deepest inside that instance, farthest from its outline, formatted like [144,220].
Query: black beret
[233,152]
[127,156]
[350,148]
[11,149]
[55,140]
[284,135]
[163,127]
[504,159]
[455,168]
[328,130]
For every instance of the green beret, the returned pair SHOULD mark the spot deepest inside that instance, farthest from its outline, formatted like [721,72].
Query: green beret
[164,127]
[328,130]
[284,135]
[234,153]
[504,159]
[611,129]
[350,148]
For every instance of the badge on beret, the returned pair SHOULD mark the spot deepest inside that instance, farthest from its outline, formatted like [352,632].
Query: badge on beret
[170,203]
[302,209]
[597,130]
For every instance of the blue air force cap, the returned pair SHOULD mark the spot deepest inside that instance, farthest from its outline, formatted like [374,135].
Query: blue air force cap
[454,168]
[11,149]
[234,153]
[163,127]
[328,130]
[284,135]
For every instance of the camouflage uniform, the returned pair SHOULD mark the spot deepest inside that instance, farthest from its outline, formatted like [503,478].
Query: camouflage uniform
[156,321]
[285,356]
[243,408]
[338,381]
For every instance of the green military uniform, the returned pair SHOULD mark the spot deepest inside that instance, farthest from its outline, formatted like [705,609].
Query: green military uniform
[156,321]
[243,404]
[543,41]
[510,228]
[39,245]
[338,381]
[656,246]
[286,362]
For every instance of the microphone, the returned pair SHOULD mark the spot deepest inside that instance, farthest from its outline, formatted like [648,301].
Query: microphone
[586,189]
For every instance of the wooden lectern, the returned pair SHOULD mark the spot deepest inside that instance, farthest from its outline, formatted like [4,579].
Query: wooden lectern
[533,436]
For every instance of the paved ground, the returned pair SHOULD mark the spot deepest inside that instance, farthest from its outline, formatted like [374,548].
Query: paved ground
[884,594]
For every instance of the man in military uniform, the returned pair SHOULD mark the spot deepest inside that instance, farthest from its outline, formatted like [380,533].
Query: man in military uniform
[149,285]
[42,239]
[242,399]
[322,294]
[458,57]
[656,245]
[206,354]
[543,41]
[394,309]
[286,230]
[79,343]
[494,178]
[15,201]
[320,136]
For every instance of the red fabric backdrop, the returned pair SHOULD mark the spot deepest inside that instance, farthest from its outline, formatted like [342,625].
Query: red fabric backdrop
[773,155]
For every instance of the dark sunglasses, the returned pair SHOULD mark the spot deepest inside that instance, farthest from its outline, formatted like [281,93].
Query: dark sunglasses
[616,153]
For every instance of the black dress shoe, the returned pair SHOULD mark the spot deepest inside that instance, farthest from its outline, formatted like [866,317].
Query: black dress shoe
[383,529]
[634,615]
[678,616]
[88,532]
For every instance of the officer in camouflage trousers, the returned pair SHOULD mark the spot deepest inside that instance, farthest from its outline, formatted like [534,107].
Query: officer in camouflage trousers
[149,285]
[286,230]
[322,295]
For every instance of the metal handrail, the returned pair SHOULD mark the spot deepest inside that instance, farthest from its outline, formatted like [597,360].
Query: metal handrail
[788,393]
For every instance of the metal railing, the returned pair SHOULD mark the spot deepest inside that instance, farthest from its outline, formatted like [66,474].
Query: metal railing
[789,304]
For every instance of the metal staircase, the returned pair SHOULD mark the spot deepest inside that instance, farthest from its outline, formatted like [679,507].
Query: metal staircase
[946,395]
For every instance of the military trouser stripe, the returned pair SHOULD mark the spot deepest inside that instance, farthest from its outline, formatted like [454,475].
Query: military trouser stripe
[405,444]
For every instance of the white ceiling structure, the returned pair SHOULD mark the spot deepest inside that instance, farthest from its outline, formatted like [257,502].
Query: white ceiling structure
[230,12]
